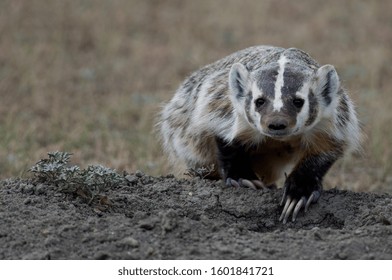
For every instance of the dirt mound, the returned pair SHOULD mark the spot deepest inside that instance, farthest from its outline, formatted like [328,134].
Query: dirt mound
[169,218]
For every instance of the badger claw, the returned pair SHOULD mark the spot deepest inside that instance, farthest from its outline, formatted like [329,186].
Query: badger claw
[298,207]
[315,195]
[232,183]
[293,205]
[259,184]
[254,184]
[287,209]
[284,197]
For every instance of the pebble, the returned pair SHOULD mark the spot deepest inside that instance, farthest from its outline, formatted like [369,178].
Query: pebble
[27,201]
[132,242]
[131,179]
[224,249]
[147,224]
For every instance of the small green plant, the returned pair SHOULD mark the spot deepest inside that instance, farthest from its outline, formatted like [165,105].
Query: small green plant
[88,183]
[97,178]
[53,169]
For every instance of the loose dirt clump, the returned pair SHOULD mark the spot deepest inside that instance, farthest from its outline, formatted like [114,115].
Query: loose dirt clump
[168,218]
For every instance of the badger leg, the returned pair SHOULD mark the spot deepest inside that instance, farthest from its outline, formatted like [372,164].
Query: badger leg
[304,185]
[235,166]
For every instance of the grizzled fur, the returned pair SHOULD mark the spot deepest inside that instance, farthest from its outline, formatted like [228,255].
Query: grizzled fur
[260,113]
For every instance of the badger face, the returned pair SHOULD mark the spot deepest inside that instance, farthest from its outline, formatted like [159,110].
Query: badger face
[283,99]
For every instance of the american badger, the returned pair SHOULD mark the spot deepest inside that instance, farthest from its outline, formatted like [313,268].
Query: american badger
[259,114]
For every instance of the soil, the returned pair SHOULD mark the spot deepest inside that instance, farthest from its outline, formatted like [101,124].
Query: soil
[170,218]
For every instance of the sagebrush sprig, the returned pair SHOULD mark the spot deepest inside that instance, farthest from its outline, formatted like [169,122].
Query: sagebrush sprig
[97,178]
[88,182]
[53,169]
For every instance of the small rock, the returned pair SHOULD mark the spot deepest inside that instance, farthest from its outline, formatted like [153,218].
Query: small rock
[147,224]
[139,174]
[224,249]
[132,242]
[27,201]
[131,179]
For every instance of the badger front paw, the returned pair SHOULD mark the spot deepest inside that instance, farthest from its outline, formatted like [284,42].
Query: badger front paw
[298,193]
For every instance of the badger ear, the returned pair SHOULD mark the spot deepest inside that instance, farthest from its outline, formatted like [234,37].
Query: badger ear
[238,80]
[327,83]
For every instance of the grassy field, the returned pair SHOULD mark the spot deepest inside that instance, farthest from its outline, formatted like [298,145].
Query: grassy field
[88,77]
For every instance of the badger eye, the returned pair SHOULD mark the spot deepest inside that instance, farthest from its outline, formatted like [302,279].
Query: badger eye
[298,102]
[259,102]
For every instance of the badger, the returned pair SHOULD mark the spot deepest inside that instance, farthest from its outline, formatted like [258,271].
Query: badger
[261,114]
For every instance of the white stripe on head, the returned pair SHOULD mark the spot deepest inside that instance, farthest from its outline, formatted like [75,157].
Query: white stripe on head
[304,113]
[256,92]
[278,103]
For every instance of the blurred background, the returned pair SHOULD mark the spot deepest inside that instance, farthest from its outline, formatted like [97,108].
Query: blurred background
[89,77]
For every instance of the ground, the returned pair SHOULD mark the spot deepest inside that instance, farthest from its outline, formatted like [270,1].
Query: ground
[169,218]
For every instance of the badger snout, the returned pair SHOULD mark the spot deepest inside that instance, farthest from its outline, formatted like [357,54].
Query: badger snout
[278,125]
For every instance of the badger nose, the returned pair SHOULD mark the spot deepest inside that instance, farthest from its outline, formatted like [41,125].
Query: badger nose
[278,125]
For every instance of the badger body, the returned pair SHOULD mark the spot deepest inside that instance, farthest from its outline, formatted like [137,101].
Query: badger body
[261,113]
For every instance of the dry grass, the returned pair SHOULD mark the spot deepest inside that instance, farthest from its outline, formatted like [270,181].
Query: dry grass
[88,76]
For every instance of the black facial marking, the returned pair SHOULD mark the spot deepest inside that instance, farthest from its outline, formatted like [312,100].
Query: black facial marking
[293,81]
[326,90]
[313,108]
[267,80]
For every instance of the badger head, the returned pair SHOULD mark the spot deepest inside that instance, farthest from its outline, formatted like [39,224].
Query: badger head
[285,98]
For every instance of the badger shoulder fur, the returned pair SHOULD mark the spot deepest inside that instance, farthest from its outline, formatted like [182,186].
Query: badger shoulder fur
[261,113]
